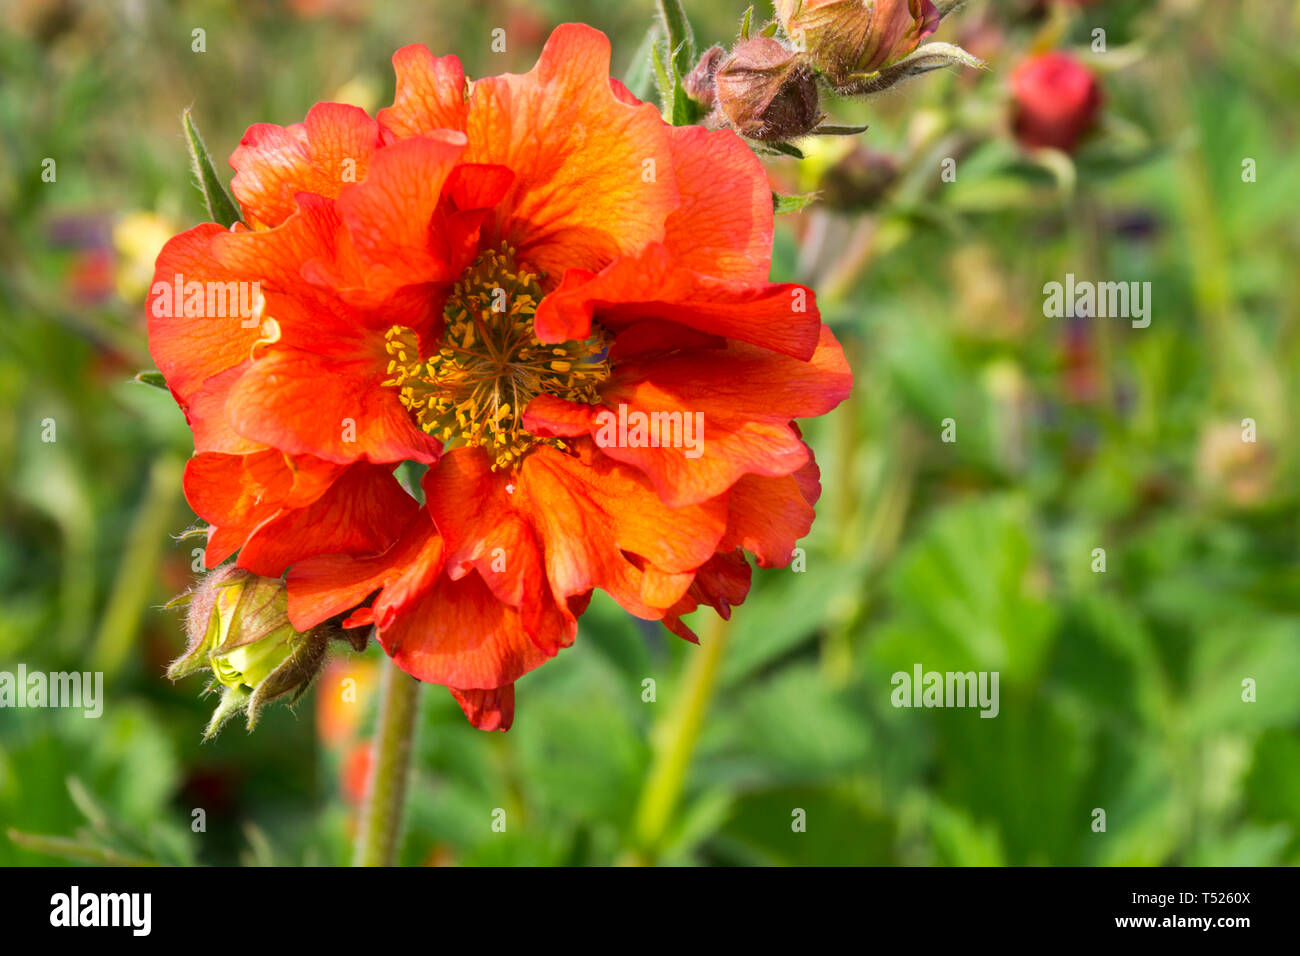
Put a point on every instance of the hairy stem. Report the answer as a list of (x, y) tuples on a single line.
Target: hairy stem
[(681, 41), (378, 837)]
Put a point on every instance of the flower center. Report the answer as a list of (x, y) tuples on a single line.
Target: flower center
[(490, 364)]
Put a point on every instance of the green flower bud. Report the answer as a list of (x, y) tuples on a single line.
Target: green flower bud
[(847, 37), (863, 47), (239, 628)]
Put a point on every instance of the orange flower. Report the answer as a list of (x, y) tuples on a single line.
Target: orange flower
[(515, 268)]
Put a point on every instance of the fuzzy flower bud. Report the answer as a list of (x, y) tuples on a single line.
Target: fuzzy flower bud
[(700, 83), (239, 628), (849, 38), (767, 92)]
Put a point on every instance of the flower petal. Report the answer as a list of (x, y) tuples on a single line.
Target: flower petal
[(725, 224), (490, 709), (334, 408), (272, 164), (460, 635), (362, 512), (430, 93), (476, 512), (602, 526), (206, 415), (189, 350), (768, 516), (594, 176), (237, 493), (703, 420), (782, 317), (388, 216), (721, 583), (323, 587)]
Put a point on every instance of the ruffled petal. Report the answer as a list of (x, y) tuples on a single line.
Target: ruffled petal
[(361, 512), (725, 224), (191, 348), (334, 408), (782, 317), (323, 587), (768, 516), (237, 493), (388, 216), (430, 93), (272, 164), (594, 175), (456, 633), (206, 415), (476, 512), (459, 634), (602, 526), (721, 583), (694, 423)]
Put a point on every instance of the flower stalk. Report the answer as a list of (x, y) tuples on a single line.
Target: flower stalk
[(382, 812), (675, 745)]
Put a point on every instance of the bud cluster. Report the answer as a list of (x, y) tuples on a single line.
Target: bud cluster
[(769, 89)]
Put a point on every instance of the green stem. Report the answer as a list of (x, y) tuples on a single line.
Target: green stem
[(138, 570), (681, 41), (675, 744), (381, 813), (67, 848)]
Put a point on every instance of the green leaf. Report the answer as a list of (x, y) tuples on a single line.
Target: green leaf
[(151, 378), (663, 75), (686, 112), (782, 204), (967, 596), (681, 39), (745, 22), (840, 130), (640, 76), (931, 56), (221, 208), (75, 849), (784, 149)]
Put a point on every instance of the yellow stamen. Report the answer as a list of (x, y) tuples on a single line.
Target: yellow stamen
[(490, 364)]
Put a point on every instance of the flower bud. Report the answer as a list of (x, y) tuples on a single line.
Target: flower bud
[(850, 38), (860, 180), (768, 92), (1056, 101), (239, 628), (701, 82)]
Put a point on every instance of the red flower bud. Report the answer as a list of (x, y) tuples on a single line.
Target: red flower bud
[(768, 92), (1056, 101), (854, 37)]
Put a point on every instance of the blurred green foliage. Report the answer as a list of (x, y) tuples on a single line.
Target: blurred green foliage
[(1120, 690)]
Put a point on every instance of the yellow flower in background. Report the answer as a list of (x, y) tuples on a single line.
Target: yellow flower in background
[(138, 237)]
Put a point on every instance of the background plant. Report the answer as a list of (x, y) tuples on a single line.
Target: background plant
[(1119, 690)]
